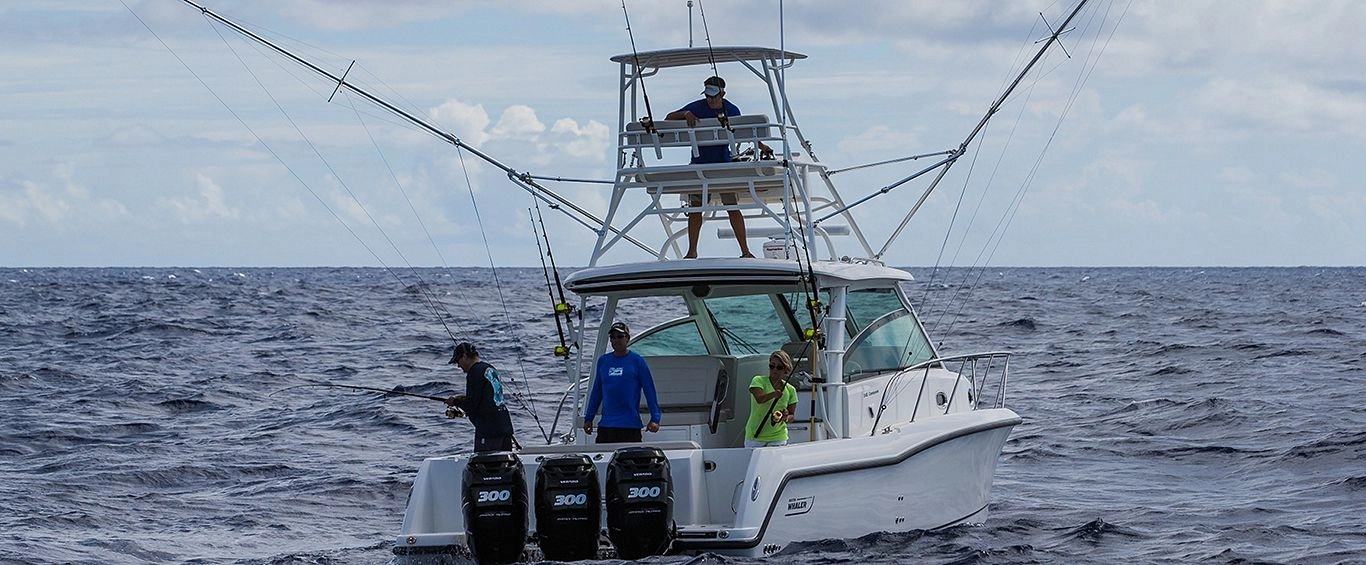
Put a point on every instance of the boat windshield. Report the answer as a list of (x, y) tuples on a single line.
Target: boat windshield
[(751, 324), (888, 335)]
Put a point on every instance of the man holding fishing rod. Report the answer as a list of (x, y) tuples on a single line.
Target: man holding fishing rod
[(482, 401)]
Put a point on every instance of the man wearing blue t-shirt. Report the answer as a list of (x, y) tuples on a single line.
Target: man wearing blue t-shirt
[(620, 378), (712, 105)]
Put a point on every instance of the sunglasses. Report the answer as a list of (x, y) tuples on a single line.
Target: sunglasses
[(616, 335), (776, 367)]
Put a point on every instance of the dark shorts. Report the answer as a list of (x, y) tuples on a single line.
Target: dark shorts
[(494, 443), (618, 435)]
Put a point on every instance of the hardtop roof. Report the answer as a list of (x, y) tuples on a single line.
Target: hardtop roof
[(687, 56), (676, 273)]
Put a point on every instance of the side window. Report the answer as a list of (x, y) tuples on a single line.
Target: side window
[(865, 306), (888, 335)]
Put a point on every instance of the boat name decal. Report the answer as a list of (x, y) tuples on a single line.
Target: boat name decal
[(800, 505)]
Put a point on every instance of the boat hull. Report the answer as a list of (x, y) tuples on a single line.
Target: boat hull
[(752, 502)]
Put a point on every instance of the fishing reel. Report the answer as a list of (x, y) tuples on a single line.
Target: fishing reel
[(453, 412), (777, 416), (748, 155)]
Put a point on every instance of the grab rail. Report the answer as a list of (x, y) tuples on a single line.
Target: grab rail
[(977, 368)]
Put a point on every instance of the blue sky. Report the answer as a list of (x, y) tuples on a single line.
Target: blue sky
[(1209, 133)]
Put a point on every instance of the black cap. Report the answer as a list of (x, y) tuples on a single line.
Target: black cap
[(464, 349), (620, 327)]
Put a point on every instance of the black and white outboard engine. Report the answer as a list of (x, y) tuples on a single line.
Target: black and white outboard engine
[(495, 505), (568, 508), (640, 502)]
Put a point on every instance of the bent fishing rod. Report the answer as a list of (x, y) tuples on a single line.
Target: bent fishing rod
[(523, 180), (451, 411)]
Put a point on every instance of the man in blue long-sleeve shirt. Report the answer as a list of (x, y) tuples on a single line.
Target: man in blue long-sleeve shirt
[(620, 378)]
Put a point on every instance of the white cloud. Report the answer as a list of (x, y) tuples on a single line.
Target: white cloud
[(590, 142), (467, 121), (68, 205), (1294, 106), (518, 122), (208, 203)]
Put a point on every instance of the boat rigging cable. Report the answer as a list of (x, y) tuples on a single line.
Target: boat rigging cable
[(428, 299), (945, 164), (973, 277), (528, 403), (522, 180), (424, 291), (1092, 60), (422, 286), (648, 122)]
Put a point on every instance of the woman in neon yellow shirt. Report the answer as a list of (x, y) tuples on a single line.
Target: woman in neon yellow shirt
[(772, 403)]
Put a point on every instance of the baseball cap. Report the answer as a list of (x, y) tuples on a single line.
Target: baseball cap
[(464, 349), (714, 86), (620, 327)]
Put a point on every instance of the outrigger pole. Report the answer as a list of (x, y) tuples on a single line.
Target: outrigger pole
[(523, 180), (952, 155), (995, 107)]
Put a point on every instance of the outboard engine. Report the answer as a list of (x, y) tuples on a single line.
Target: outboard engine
[(568, 508), (495, 506), (640, 502)]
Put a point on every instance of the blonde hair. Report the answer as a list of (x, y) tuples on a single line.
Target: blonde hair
[(783, 359)]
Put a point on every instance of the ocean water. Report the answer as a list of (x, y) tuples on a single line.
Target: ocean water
[(1170, 415)]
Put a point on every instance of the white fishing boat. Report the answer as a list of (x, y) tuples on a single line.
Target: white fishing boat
[(891, 434)]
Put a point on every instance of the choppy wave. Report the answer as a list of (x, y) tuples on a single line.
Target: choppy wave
[(1170, 415)]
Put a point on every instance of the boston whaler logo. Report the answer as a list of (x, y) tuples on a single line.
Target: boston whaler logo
[(800, 505)]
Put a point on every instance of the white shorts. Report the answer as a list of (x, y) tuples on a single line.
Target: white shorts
[(757, 443)]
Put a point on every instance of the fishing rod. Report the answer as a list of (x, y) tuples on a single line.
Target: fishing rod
[(560, 306), (451, 411), (522, 180), (721, 118), (648, 122)]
